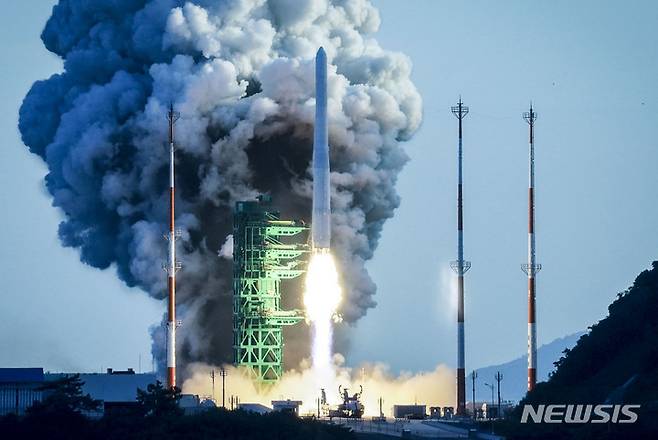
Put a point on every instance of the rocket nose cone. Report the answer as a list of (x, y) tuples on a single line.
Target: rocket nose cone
[(321, 53)]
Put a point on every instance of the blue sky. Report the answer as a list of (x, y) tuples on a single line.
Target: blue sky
[(591, 73), (56, 313)]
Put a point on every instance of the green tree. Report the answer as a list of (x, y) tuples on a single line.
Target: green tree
[(158, 401), (64, 396)]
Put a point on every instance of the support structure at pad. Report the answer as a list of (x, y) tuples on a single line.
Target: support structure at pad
[(267, 251)]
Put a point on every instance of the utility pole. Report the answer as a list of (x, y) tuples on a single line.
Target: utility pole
[(212, 376), (474, 376), (531, 267), (499, 378), (223, 374), (460, 267)]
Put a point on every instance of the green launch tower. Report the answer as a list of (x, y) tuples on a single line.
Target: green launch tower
[(266, 251)]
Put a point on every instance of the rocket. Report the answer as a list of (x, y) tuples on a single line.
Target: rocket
[(321, 214)]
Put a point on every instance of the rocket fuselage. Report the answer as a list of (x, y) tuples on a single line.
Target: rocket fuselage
[(321, 214)]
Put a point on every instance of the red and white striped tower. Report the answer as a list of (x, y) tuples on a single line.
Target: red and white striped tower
[(531, 267), (172, 265), (460, 267)]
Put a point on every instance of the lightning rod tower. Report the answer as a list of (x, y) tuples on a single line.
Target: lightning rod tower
[(531, 267), (460, 266), (172, 265)]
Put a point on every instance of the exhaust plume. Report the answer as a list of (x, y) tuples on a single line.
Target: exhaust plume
[(431, 388), (240, 73)]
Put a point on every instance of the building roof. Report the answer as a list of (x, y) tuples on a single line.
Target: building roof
[(21, 375), (189, 401), (255, 408), (284, 405), (112, 387)]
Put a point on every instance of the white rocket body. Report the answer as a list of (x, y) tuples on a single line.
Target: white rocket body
[(321, 214)]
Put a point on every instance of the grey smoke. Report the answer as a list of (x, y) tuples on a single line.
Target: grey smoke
[(241, 74)]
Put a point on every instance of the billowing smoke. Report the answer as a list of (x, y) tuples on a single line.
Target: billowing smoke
[(431, 388), (240, 72)]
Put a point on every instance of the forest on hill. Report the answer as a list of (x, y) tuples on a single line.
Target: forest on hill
[(615, 362)]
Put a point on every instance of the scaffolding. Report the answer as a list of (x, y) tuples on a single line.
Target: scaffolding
[(263, 257)]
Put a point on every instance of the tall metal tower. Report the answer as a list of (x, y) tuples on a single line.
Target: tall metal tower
[(262, 259), (172, 265), (460, 267), (531, 267)]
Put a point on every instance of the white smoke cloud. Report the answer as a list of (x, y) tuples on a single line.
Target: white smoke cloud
[(226, 251), (240, 72), (431, 388)]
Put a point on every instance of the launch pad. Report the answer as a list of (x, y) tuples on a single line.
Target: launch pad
[(261, 261)]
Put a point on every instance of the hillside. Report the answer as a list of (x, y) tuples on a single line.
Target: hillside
[(615, 362), (514, 384), (618, 349)]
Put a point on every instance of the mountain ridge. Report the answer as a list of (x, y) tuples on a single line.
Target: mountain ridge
[(514, 384)]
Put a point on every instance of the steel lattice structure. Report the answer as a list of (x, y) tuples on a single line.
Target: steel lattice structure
[(262, 258)]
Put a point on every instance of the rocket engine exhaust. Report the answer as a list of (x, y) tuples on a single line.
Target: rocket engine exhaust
[(322, 293)]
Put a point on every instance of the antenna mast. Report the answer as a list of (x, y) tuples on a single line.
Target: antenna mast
[(460, 267), (172, 265), (531, 267)]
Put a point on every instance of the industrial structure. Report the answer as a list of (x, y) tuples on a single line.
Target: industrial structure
[(263, 257), (351, 406), (531, 267), (20, 388), (460, 266), (172, 265), (410, 412)]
